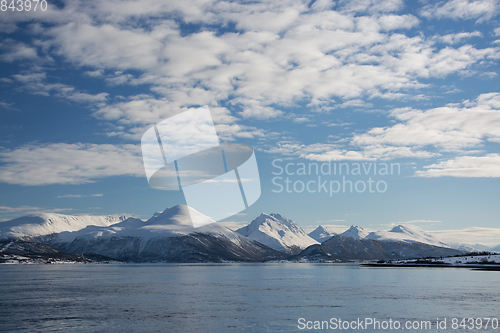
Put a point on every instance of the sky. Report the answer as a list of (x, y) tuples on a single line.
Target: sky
[(411, 85)]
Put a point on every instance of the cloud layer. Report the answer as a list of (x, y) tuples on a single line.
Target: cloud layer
[(61, 163), (252, 62)]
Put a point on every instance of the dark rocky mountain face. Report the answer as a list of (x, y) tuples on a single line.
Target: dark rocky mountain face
[(23, 251), (349, 248), (195, 247)]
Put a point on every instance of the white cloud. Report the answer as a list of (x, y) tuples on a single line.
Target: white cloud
[(61, 163), (458, 37), (107, 45), (464, 166), (7, 27), (16, 51), (449, 128), (79, 195), (335, 152), (136, 114), (416, 222), (280, 55), (471, 235), (392, 22), (463, 9), (301, 120), (355, 103), (260, 112), (416, 134), (97, 73), (262, 17), (233, 225), (8, 106), (139, 109), (417, 57), (282, 52), (368, 153), (35, 83), (7, 209), (7, 212), (371, 6)]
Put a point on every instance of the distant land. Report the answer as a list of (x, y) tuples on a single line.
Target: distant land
[(169, 236), (483, 261)]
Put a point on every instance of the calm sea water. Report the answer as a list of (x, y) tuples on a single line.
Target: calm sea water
[(234, 297)]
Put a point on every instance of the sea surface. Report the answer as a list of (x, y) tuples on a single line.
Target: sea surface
[(237, 297)]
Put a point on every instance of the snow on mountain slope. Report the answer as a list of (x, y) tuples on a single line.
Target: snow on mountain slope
[(168, 236), (174, 221), (463, 247), (180, 215), (321, 234), (495, 249), (50, 223), (355, 232), (350, 248), (406, 233), (278, 233)]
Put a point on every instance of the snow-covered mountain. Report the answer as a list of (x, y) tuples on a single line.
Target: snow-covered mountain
[(341, 248), (174, 221), (495, 249), (278, 233), (406, 233), (170, 236), (464, 247), (45, 224), (167, 236), (321, 234), (355, 232)]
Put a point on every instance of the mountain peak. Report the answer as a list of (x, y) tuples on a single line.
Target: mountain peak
[(406, 229), (412, 230), (407, 233), (321, 234), (181, 215), (277, 232), (355, 232), (274, 218), (321, 228)]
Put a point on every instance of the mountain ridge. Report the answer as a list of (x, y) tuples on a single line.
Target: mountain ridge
[(355, 232)]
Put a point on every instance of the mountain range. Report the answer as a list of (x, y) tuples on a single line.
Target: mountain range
[(343, 248), (169, 236), (402, 233)]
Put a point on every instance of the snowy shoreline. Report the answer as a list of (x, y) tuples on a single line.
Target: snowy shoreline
[(489, 261)]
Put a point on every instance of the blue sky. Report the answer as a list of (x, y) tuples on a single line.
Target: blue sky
[(414, 83)]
